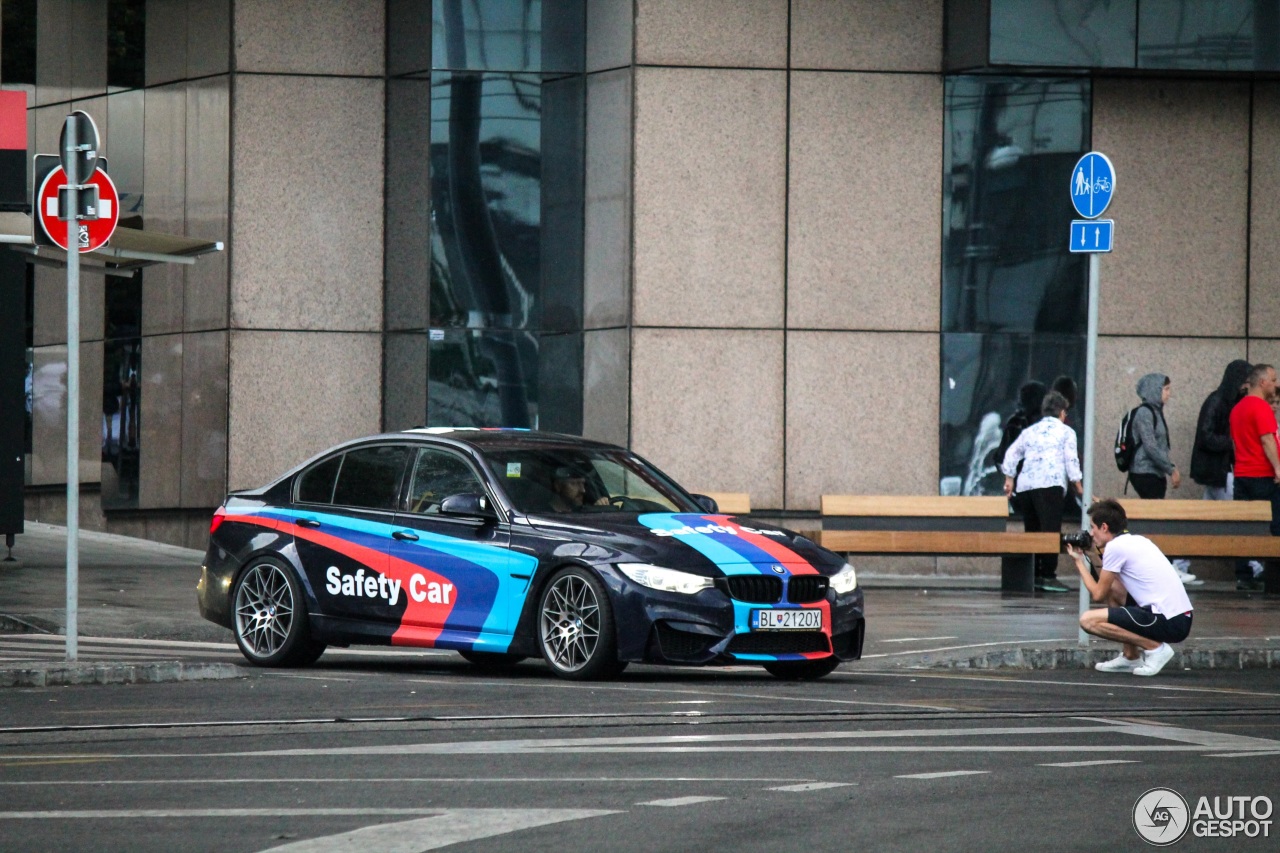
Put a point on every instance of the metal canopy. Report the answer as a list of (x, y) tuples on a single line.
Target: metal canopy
[(130, 249)]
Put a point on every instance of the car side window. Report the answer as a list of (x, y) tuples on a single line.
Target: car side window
[(315, 486), (436, 475), (370, 477)]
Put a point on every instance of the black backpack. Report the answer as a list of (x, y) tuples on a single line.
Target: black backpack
[(1126, 442)]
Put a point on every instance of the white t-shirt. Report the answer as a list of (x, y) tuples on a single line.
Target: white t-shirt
[(1147, 574)]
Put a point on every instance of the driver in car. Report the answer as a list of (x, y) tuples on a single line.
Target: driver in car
[(570, 488)]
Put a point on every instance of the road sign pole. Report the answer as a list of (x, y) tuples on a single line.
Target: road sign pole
[(1090, 403), (73, 386)]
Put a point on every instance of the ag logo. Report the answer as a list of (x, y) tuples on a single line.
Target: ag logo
[(1161, 817)]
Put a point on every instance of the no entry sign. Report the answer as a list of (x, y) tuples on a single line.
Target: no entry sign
[(94, 233)]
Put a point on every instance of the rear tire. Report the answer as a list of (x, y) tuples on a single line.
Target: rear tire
[(575, 627), (802, 670), (269, 615)]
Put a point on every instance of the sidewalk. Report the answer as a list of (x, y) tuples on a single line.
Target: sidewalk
[(132, 588)]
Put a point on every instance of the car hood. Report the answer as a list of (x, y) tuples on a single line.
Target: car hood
[(708, 545)]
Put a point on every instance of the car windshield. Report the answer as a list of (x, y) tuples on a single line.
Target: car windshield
[(554, 480)]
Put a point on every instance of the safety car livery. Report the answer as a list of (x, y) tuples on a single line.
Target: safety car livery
[(507, 544)]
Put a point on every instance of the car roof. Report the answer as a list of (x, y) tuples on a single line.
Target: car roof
[(506, 438)]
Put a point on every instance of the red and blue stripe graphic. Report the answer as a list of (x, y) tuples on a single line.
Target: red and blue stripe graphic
[(450, 593), (737, 549)]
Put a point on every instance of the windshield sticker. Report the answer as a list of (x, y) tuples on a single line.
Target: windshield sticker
[(513, 469)]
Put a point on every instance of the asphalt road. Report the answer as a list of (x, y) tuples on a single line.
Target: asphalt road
[(392, 752)]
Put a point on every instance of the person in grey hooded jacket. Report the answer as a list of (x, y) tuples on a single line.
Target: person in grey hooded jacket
[(1151, 462)]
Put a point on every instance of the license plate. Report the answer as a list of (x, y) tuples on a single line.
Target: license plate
[(786, 620)]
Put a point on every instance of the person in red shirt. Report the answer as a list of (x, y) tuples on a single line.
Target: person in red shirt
[(1257, 465)]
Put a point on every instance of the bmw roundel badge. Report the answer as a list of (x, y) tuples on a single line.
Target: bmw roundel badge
[(779, 570)]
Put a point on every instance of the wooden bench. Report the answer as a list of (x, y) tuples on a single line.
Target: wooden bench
[(1189, 528), (944, 526), (933, 525), (731, 503)]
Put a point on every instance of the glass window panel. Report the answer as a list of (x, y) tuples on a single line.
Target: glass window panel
[(482, 379), (122, 392), (1009, 147), (126, 43), (370, 477), (18, 42), (437, 475), (1076, 33), (121, 411), (502, 35), (316, 485), (981, 375), (1207, 34)]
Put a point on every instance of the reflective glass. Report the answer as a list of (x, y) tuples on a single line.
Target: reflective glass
[(1224, 35), (1077, 33), (122, 392), (315, 486), (508, 35), (482, 378), (126, 43), (565, 480), (506, 160), (1008, 149), (437, 475), (981, 375), (370, 477)]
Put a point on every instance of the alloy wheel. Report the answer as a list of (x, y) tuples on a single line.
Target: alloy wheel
[(570, 623), (264, 610)]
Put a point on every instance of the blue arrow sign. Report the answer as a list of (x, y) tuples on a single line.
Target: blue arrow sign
[(1092, 235), (1093, 182)]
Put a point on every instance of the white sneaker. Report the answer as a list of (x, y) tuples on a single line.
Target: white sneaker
[(1189, 579), (1119, 663), (1257, 568), (1154, 660)]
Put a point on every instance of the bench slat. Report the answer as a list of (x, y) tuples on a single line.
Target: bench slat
[(1139, 509), (937, 542), (1179, 545), (915, 505)]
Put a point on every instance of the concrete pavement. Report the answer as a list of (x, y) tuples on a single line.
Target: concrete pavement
[(145, 591)]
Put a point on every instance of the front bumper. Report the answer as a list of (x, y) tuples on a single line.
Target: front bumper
[(711, 627)]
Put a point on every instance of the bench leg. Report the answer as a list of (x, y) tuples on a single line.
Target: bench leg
[(1017, 573)]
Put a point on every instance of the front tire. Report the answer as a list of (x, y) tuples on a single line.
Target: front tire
[(802, 670), (270, 616), (575, 627)]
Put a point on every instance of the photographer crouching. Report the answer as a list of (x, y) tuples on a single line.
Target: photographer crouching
[(1148, 606)]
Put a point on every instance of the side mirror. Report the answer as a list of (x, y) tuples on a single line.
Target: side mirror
[(707, 503), (467, 504)]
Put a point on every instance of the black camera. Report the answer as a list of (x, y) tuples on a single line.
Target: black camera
[(1079, 538)]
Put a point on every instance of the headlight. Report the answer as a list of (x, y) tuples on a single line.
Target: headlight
[(845, 580), (667, 580)]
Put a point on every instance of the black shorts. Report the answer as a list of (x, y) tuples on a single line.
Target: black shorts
[(1143, 622)]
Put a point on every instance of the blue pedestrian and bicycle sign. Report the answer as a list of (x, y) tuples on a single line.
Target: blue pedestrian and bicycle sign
[(1092, 235), (1093, 182)]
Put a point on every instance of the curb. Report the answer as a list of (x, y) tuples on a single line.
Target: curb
[(59, 674), (1078, 658)]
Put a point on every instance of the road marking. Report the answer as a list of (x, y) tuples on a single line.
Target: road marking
[(917, 639), (812, 786), (1242, 754), (630, 688), (398, 780), (103, 814), (942, 775), (680, 801), (1089, 763), (448, 827)]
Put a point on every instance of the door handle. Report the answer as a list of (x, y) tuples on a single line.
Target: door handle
[(404, 536), (306, 522)]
